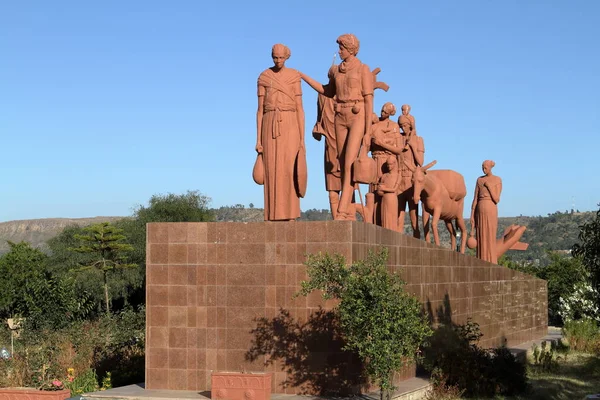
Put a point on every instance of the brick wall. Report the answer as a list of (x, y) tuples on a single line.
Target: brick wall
[(207, 283)]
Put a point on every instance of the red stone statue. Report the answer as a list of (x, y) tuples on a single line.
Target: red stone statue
[(280, 138), (385, 134), (325, 127), (412, 153), (352, 84), (510, 240), (442, 193), (484, 212), (387, 190)]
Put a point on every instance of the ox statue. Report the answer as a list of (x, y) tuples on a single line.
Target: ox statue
[(442, 193)]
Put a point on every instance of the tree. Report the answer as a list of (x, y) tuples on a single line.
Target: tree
[(65, 264), (21, 267), (589, 249), (380, 321), (126, 286), (189, 207), (28, 290), (563, 274), (105, 242)]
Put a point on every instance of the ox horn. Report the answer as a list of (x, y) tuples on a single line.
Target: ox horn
[(410, 167), (431, 164)]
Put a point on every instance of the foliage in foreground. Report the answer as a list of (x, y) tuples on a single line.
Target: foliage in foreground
[(380, 321), (583, 335), (571, 377), (83, 357)]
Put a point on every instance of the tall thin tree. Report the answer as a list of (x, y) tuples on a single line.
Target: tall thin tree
[(105, 241)]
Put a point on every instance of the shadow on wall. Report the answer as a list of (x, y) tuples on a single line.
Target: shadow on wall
[(454, 358), (311, 353)]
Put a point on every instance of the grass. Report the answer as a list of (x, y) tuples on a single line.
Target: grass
[(573, 379)]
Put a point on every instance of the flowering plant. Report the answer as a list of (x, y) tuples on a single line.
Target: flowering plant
[(580, 304), (54, 385)]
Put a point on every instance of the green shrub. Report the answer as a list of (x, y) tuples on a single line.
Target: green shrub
[(85, 382), (380, 321), (583, 335), (110, 350), (546, 359)]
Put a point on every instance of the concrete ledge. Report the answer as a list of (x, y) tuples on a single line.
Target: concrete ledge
[(410, 389)]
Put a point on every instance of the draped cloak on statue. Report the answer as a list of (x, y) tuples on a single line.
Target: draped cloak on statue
[(284, 163)]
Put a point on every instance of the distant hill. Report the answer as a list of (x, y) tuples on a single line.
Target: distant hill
[(556, 231), (38, 231)]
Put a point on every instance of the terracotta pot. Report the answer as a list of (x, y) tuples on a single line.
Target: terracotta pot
[(33, 394), (241, 386)]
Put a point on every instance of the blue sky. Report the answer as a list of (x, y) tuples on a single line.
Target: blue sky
[(103, 104)]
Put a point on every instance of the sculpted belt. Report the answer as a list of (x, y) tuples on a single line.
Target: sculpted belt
[(277, 118), (346, 104)]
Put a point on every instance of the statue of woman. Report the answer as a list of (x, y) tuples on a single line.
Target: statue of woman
[(484, 212), (280, 137)]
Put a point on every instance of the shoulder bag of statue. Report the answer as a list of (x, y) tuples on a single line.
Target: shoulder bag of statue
[(364, 169)]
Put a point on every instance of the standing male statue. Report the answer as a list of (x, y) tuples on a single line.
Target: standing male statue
[(352, 84), (280, 138)]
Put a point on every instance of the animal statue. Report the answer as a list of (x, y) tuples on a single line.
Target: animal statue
[(442, 194)]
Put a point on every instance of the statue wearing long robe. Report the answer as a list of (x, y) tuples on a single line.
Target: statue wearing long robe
[(281, 139)]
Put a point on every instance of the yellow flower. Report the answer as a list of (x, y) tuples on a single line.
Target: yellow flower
[(70, 371)]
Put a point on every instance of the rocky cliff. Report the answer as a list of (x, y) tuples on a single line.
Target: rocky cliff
[(38, 231)]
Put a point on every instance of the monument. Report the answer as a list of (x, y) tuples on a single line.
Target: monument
[(209, 283)]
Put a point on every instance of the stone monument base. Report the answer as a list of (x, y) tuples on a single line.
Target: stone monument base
[(219, 298)]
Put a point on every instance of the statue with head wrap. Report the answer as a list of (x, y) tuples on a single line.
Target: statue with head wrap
[(384, 133), (484, 213), (280, 137), (407, 122)]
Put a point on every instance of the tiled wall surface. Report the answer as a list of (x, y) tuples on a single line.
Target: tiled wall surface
[(208, 282)]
